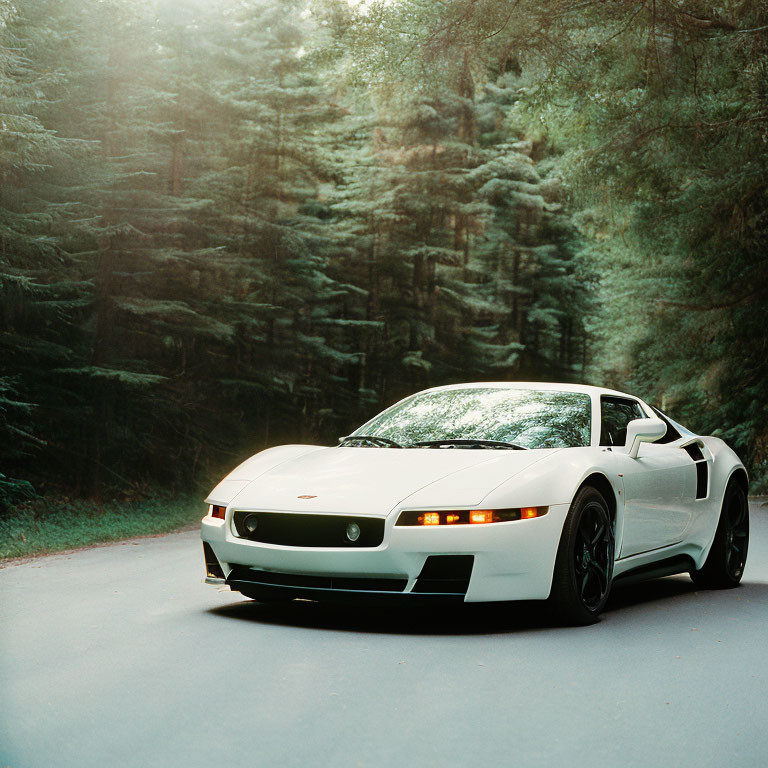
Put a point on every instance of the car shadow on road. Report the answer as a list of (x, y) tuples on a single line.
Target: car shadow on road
[(679, 590), (478, 618), (459, 619), (646, 592)]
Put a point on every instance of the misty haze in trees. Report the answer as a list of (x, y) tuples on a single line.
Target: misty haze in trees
[(226, 225)]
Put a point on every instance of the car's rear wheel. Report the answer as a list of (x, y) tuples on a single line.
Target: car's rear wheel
[(725, 563), (584, 564)]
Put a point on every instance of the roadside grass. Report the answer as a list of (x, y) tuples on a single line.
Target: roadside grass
[(43, 526)]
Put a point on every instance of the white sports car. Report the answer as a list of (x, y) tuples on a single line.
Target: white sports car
[(485, 492)]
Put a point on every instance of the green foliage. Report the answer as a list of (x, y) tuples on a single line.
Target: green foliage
[(225, 226), (663, 115), (46, 525), (13, 492), (656, 117)]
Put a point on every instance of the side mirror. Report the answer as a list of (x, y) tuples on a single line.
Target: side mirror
[(643, 431)]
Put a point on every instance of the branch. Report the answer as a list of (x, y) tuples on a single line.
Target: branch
[(695, 21), (503, 26), (748, 31)]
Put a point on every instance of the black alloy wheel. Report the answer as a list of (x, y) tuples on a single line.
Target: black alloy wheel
[(725, 563), (584, 564), (592, 553)]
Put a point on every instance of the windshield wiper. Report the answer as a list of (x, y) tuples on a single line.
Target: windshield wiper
[(381, 442), (470, 443)]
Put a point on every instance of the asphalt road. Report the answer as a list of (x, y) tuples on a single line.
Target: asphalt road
[(120, 656)]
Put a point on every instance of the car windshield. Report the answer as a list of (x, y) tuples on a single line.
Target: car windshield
[(524, 417)]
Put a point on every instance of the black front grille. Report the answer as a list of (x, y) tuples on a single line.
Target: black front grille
[(242, 575), (301, 530)]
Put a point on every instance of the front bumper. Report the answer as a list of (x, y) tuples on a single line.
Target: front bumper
[(511, 561)]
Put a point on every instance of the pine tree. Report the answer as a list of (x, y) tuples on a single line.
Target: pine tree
[(222, 230), (42, 290)]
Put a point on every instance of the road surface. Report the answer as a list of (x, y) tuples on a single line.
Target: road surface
[(120, 656)]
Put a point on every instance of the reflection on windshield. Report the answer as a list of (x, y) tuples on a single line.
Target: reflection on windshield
[(526, 417)]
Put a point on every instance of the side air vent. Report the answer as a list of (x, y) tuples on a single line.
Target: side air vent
[(694, 451), (702, 478), (702, 470)]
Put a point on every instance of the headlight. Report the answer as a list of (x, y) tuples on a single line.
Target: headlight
[(468, 516)]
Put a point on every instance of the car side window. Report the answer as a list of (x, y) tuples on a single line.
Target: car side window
[(615, 414)]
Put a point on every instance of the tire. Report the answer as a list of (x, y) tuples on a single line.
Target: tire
[(584, 564), (725, 562)]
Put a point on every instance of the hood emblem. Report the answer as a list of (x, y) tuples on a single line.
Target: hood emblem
[(307, 496)]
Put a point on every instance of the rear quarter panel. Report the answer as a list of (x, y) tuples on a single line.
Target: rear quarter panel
[(725, 463)]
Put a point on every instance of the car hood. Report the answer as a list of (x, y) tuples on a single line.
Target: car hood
[(373, 481)]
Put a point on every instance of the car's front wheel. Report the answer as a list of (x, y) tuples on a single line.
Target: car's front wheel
[(725, 563), (584, 564)]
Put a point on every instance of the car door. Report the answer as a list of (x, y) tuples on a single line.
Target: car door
[(658, 484)]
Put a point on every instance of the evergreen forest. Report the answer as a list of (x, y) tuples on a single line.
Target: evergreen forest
[(230, 224)]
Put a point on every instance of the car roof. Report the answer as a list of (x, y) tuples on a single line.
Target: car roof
[(586, 389)]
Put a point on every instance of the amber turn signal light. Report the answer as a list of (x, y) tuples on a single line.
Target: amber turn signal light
[(481, 516), (217, 511), (415, 517)]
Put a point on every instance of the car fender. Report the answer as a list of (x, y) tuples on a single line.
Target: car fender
[(554, 482), (557, 479)]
